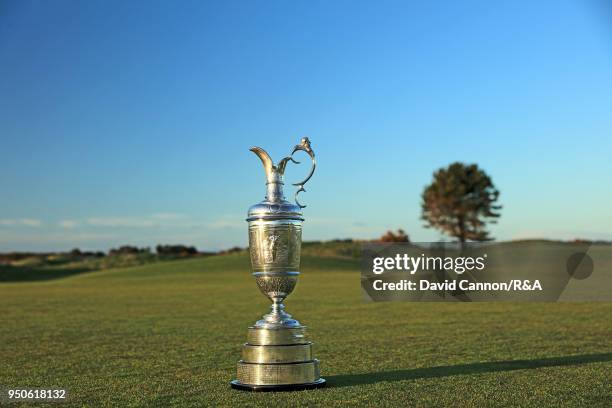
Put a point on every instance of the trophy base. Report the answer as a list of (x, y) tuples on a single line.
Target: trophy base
[(277, 359), (237, 385)]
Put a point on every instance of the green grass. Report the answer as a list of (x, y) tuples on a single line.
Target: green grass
[(44, 267), (170, 333)]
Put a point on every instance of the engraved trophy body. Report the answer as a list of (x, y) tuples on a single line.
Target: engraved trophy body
[(277, 355)]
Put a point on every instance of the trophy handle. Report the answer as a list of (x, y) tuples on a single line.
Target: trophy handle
[(305, 147)]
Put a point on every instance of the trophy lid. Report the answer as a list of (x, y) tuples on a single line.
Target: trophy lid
[(275, 206), (268, 210)]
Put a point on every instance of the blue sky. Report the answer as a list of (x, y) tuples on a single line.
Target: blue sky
[(130, 122)]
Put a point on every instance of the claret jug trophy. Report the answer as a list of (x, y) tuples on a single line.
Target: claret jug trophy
[(277, 354)]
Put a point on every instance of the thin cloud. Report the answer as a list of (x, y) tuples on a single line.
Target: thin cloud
[(69, 224), (55, 238), (157, 220), (24, 222), (168, 216), (118, 222)]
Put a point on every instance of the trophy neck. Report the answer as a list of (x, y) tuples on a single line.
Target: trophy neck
[(274, 188)]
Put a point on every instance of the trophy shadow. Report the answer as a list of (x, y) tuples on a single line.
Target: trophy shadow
[(348, 380)]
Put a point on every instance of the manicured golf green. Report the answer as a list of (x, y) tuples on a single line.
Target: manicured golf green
[(170, 333)]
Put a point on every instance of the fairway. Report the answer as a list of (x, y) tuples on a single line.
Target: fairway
[(170, 333)]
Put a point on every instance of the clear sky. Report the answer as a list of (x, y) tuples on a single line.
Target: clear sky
[(130, 122)]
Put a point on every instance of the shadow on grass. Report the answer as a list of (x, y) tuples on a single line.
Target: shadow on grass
[(348, 380), (9, 273)]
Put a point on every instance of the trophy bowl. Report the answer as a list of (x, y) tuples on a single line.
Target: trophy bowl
[(276, 286)]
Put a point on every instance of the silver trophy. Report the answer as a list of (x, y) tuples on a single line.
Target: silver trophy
[(277, 355)]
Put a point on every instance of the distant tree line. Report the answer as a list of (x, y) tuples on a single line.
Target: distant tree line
[(176, 250), (399, 236), (129, 250), (160, 250), (76, 252)]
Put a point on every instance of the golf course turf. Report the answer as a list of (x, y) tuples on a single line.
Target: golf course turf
[(170, 333)]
